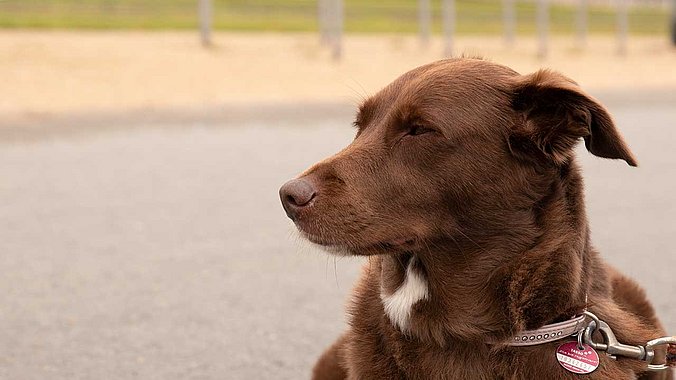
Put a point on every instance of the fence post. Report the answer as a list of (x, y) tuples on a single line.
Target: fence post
[(205, 11), (543, 27), (448, 16), (582, 22), (673, 22), (323, 21), (337, 29), (622, 26), (425, 21), (509, 21)]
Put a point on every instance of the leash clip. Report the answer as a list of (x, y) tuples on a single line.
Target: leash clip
[(670, 341), (614, 348), (610, 343)]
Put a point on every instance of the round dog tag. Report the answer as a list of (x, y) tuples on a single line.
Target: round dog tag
[(575, 360)]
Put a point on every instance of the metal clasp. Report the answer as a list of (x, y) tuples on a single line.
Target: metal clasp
[(614, 348), (659, 342), (611, 345)]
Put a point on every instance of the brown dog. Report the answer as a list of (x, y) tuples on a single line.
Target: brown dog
[(462, 186)]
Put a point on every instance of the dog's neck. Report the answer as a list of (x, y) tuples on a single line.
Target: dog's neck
[(452, 296), (474, 292), (403, 284)]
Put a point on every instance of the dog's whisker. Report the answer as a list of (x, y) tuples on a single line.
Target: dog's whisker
[(335, 271), (470, 239), (326, 268)]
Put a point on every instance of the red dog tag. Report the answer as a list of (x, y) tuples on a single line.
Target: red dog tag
[(575, 360)]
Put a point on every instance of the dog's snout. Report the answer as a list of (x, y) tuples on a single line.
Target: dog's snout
[(295, 195)]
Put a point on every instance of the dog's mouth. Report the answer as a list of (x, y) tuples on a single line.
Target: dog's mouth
[(355, 248), (347, 242)]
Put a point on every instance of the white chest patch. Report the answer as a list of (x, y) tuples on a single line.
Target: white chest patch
[(398, 304)]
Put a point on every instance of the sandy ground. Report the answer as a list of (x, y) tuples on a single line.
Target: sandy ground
[(45, 73)]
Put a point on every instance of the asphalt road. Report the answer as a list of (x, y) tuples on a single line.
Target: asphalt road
[(152, 251)]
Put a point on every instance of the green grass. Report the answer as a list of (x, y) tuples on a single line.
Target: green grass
[(362, 16)]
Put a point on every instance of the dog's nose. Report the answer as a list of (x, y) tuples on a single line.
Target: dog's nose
[(295, 195)]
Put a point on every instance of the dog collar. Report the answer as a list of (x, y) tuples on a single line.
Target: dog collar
[(548, 333), (585, 330)]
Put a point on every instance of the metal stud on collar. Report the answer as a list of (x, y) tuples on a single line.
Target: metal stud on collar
[(548, 333)]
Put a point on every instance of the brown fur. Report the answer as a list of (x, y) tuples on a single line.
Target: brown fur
[(468, 167)]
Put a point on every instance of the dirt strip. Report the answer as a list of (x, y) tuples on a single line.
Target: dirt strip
[(53, 73)]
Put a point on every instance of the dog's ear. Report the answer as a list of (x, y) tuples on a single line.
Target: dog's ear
[(553, 113)]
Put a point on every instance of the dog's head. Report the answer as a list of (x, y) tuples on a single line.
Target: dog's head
[(459, 146)]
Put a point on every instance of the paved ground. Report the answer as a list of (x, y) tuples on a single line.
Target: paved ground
[(156, 252)]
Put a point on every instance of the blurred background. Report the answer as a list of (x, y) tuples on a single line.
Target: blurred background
[(143, 142)]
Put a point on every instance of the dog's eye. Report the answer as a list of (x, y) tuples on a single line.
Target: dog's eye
[(417, 130)]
